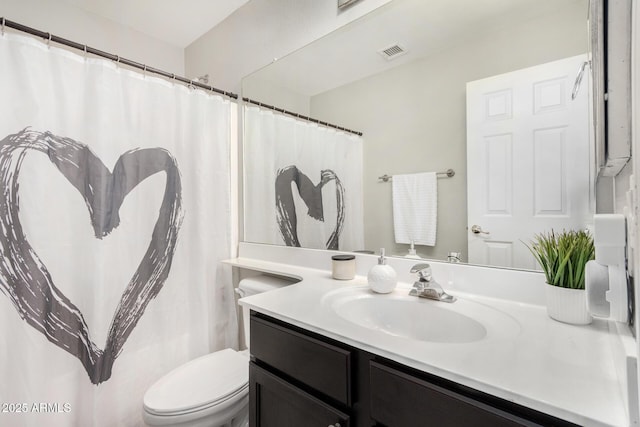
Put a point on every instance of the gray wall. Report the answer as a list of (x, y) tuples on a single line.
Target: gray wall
[(413, 117)]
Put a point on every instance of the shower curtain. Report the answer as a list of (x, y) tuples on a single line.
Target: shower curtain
[(114, 214), (303, 183)]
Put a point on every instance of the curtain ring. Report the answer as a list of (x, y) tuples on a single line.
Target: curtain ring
[(2, 30), (49, 41), (85, 51), (144, 71)]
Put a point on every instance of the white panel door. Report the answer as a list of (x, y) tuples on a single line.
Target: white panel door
[(528, 160)]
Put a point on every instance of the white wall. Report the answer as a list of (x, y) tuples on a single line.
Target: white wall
[(621, 186), (414, 117), (262, 30), (70, 22)]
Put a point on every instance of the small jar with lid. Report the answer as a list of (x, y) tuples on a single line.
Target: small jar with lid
[(343, 267)]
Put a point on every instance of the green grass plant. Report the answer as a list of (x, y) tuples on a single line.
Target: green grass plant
[(563, 256)]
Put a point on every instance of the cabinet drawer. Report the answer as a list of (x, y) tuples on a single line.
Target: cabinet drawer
[(400, 400), (319, 365), (276, 403)]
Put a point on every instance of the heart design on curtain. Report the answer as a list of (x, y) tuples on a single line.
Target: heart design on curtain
[(26, 280), (312, 196)]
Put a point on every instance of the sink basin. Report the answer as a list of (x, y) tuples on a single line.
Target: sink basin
[(421, 319)]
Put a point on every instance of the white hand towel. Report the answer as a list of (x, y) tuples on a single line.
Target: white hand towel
[(415, 208)]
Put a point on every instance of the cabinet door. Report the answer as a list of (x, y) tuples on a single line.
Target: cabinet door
[(401, 400), (315, 363), (276, 403)]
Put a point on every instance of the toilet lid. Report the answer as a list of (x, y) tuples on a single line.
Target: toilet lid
[(200, 383)]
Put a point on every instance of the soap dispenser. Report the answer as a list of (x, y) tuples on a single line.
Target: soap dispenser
[(382, 278)]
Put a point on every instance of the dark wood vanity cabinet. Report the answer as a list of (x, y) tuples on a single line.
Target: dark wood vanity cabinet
[(301, 379), (396, 398), (276, 402), (297, 380)]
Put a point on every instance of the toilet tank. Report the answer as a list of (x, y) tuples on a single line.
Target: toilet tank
[(256, 285)]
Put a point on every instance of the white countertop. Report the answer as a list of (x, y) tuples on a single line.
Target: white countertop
[(563, 370)]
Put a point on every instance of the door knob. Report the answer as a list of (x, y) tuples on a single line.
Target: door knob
[(476, 229)]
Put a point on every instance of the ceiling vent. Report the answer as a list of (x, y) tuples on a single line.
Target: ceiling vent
[(392, 52)]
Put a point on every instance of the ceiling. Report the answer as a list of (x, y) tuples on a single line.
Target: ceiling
[(178, 23), (421, 27)]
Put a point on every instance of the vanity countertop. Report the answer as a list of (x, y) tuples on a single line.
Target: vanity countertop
[(563, 370)]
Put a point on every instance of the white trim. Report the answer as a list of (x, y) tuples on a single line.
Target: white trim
[(234, 200), (634, 418)]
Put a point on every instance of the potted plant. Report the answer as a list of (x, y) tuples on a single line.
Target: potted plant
[(563, 257)]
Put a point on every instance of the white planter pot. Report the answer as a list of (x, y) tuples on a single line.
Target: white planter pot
[(567, 305)]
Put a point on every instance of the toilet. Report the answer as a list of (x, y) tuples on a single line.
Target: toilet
[(212, 390)]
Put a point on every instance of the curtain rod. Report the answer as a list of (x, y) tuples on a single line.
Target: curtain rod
[(86, 49), (300, 116)]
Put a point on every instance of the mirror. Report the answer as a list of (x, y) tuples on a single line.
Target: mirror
[(414, 105)]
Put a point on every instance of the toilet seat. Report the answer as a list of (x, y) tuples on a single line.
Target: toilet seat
[(204, 385)]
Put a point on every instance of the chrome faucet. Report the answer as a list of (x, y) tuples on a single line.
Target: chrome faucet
[(454, 257), (426, 286)]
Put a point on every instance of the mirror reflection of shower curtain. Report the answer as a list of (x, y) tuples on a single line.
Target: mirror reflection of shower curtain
[(114, 213), (303, 183)]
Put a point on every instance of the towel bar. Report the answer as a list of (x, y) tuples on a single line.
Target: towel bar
[(448, 174)]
